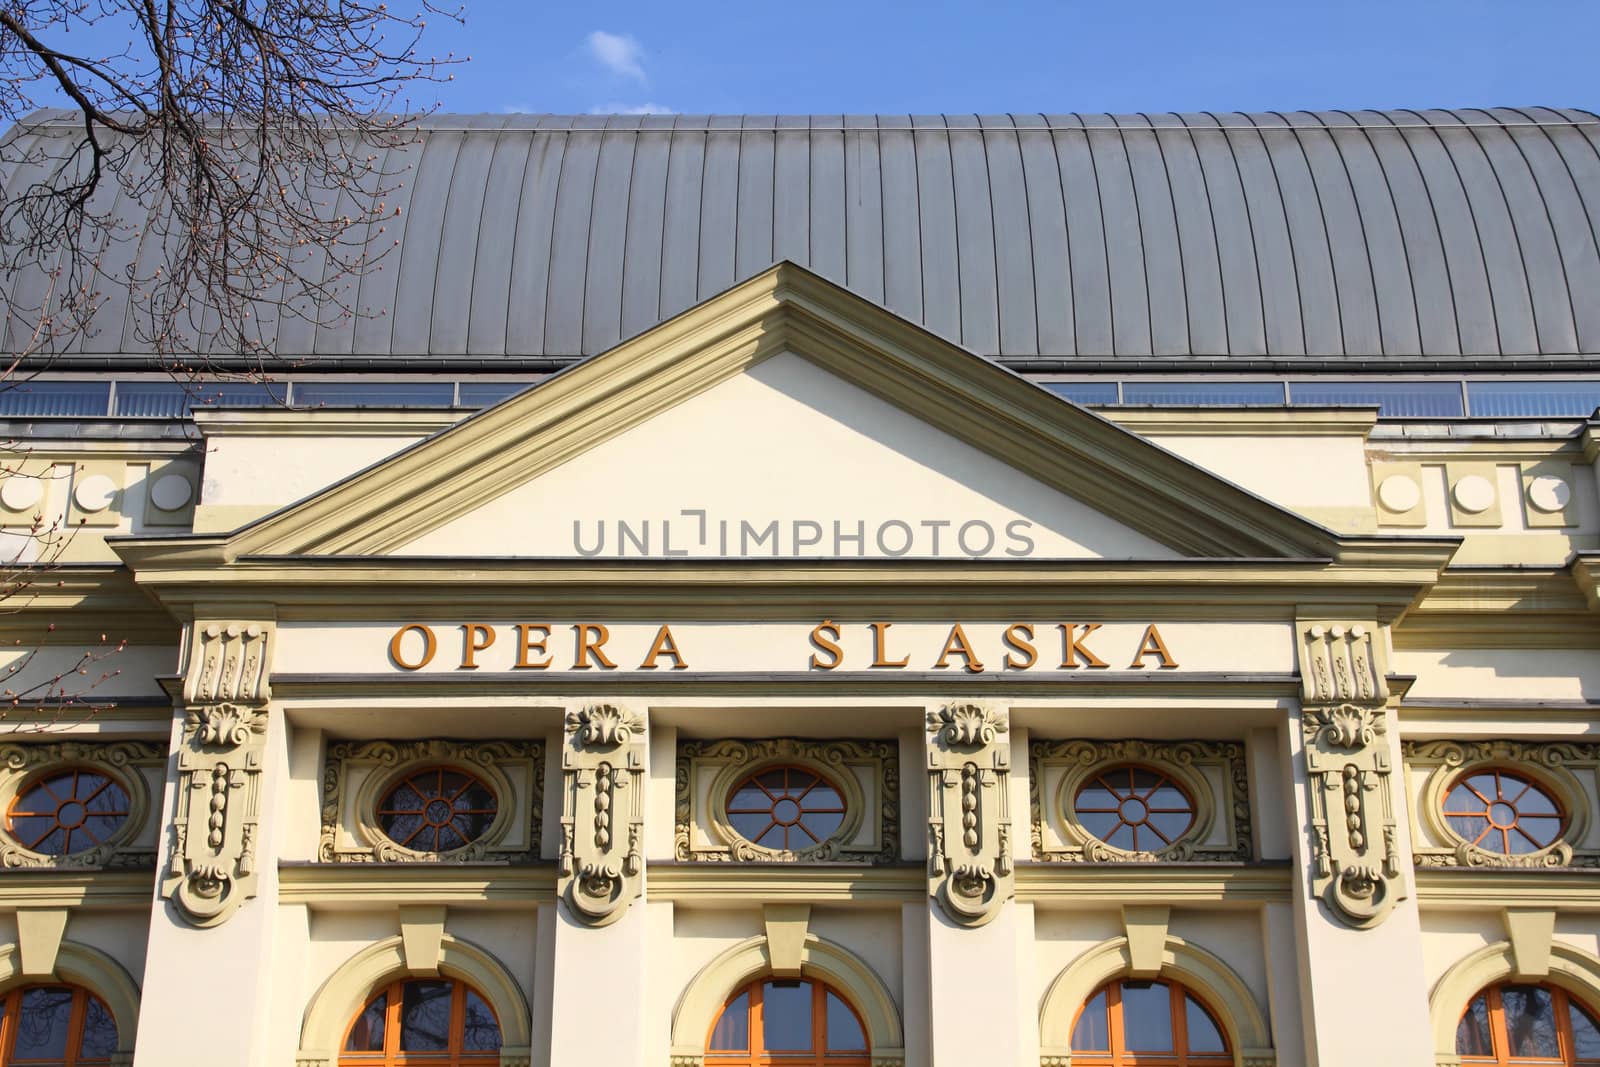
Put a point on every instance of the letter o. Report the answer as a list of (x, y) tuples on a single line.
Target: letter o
[(904, 547), (430, 645), (961, 537)]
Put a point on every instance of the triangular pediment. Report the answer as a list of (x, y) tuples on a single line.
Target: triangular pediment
[(785, 417)]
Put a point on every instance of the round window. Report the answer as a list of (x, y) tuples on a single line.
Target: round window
[(1134, 808), (439, 809), (786, 808), (67, 811), (1503, 811)]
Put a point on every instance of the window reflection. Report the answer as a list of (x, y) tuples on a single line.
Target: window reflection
[(1518, 1023), (55, 1026), (1130, 1022), (437, 1021), (795, 1022)]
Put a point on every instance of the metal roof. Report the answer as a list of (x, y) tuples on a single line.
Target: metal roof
[(1295, 240)]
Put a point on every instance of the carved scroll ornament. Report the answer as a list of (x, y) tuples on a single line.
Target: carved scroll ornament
[(969, 821), (211, 866), (1344, 724), (602, 812)]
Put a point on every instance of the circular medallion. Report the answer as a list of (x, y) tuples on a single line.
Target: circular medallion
[(1548, 493), (1399, 493), (21, 492), (1473, 494), (171, 492), (94, 493)]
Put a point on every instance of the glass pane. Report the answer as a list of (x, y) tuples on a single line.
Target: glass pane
[(1090, 1033), (480, 1033), (483, 394), (786, 1016), (1585, 1032), (1472, 1032), (1085, 392), (1096, 797), (175, 399), (1146, 1017), (844, 1030), (99, 1031), (1530, 1021), (750, 825), (366, 1033), (1204, 1035), (425, 1016), (1394, 399), (82, 399), (732, 1032), (373, 394), (1230, 394), (1534, 399), (42, 1023)]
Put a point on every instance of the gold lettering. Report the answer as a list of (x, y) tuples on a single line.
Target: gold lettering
[(430, 645), (1072, 645), (527, 645), (957, 644), (664, 645), (880, 655), (827, 645), (475, 637), (1017, 638), (1152, 645), (591, 644)]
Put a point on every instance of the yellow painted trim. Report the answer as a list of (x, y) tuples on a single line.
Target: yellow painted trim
[(1507, 607), (93, 970), (724, 885), (1246, 422), (57, 888), (1475, 889), (1198, 885), (356, 886), (285, 422), (1571, 968)]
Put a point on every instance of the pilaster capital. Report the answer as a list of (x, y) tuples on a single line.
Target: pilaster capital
[(969, 819), (601, 863)]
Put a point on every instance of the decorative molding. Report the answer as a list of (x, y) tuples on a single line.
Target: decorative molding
[(1068, 764), (1566, 889), (1569, 967), (703, 998), (601, 861), (758, 884), (211, 867), (124, 762), (351, 886), (1551, 764), (1356, 866), (969, 820), (1177, 885), (350, 829), (842, 763), (1181, 961)]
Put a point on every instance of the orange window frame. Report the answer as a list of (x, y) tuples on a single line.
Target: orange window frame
[(759, 1056), (1499, 1040), (392, 1056), (75, 1020), (1180, 1056)]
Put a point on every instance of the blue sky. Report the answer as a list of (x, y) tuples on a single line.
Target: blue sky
[(823, 56)]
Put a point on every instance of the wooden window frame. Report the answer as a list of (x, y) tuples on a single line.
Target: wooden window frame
[(1561, 1006), (798, 825), (76, 1015), (1503, 774), (393, 1056), (1120, 1056), (408, 778), (757, 1054), (38, 781), (1101, 776)]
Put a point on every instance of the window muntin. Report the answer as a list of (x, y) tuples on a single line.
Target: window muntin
[(68, 810), (55, 1026), (798, 1023), (787, 808), (437, 809), (1134, 808), (1503, 811), (1515, 1023), (437, 1021), (1157, 1023)]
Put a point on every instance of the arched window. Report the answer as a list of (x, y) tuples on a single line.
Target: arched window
[(797, 1023), (55, 1026), (1514, 1023), (1151, 1024), (434, 1021)]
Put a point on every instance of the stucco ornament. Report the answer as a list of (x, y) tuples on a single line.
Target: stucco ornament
[(969, 822), (211, 866), (1356, 856), (602, 812)]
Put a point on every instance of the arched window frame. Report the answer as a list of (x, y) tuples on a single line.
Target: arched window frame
[(393, 990), (81, 965), (347, 991), (1212, 981), (1561, 1002), (820, 992), (1569, 967), (1178, 993)]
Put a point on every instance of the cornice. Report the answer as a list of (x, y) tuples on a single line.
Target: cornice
[(1437, 719), (48, 888), (1186, 884), (1246, 422), (1504, 607), (365, 885), (285, 422), (83, 603), (720, 884), (1471, 888)]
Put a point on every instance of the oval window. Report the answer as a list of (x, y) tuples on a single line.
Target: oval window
[(1502, 811), (1134, 808), (786, 808), (67, 811), (440, 809)]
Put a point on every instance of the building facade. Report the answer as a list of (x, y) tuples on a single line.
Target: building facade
[(842, 592)]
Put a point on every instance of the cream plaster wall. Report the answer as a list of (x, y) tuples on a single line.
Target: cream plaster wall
[(247, 476), (1500, 674), (784, 441), (1323, 477), (132, 672)]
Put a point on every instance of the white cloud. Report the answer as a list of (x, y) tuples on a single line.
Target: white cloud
[(633, 109), (618, 53)]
